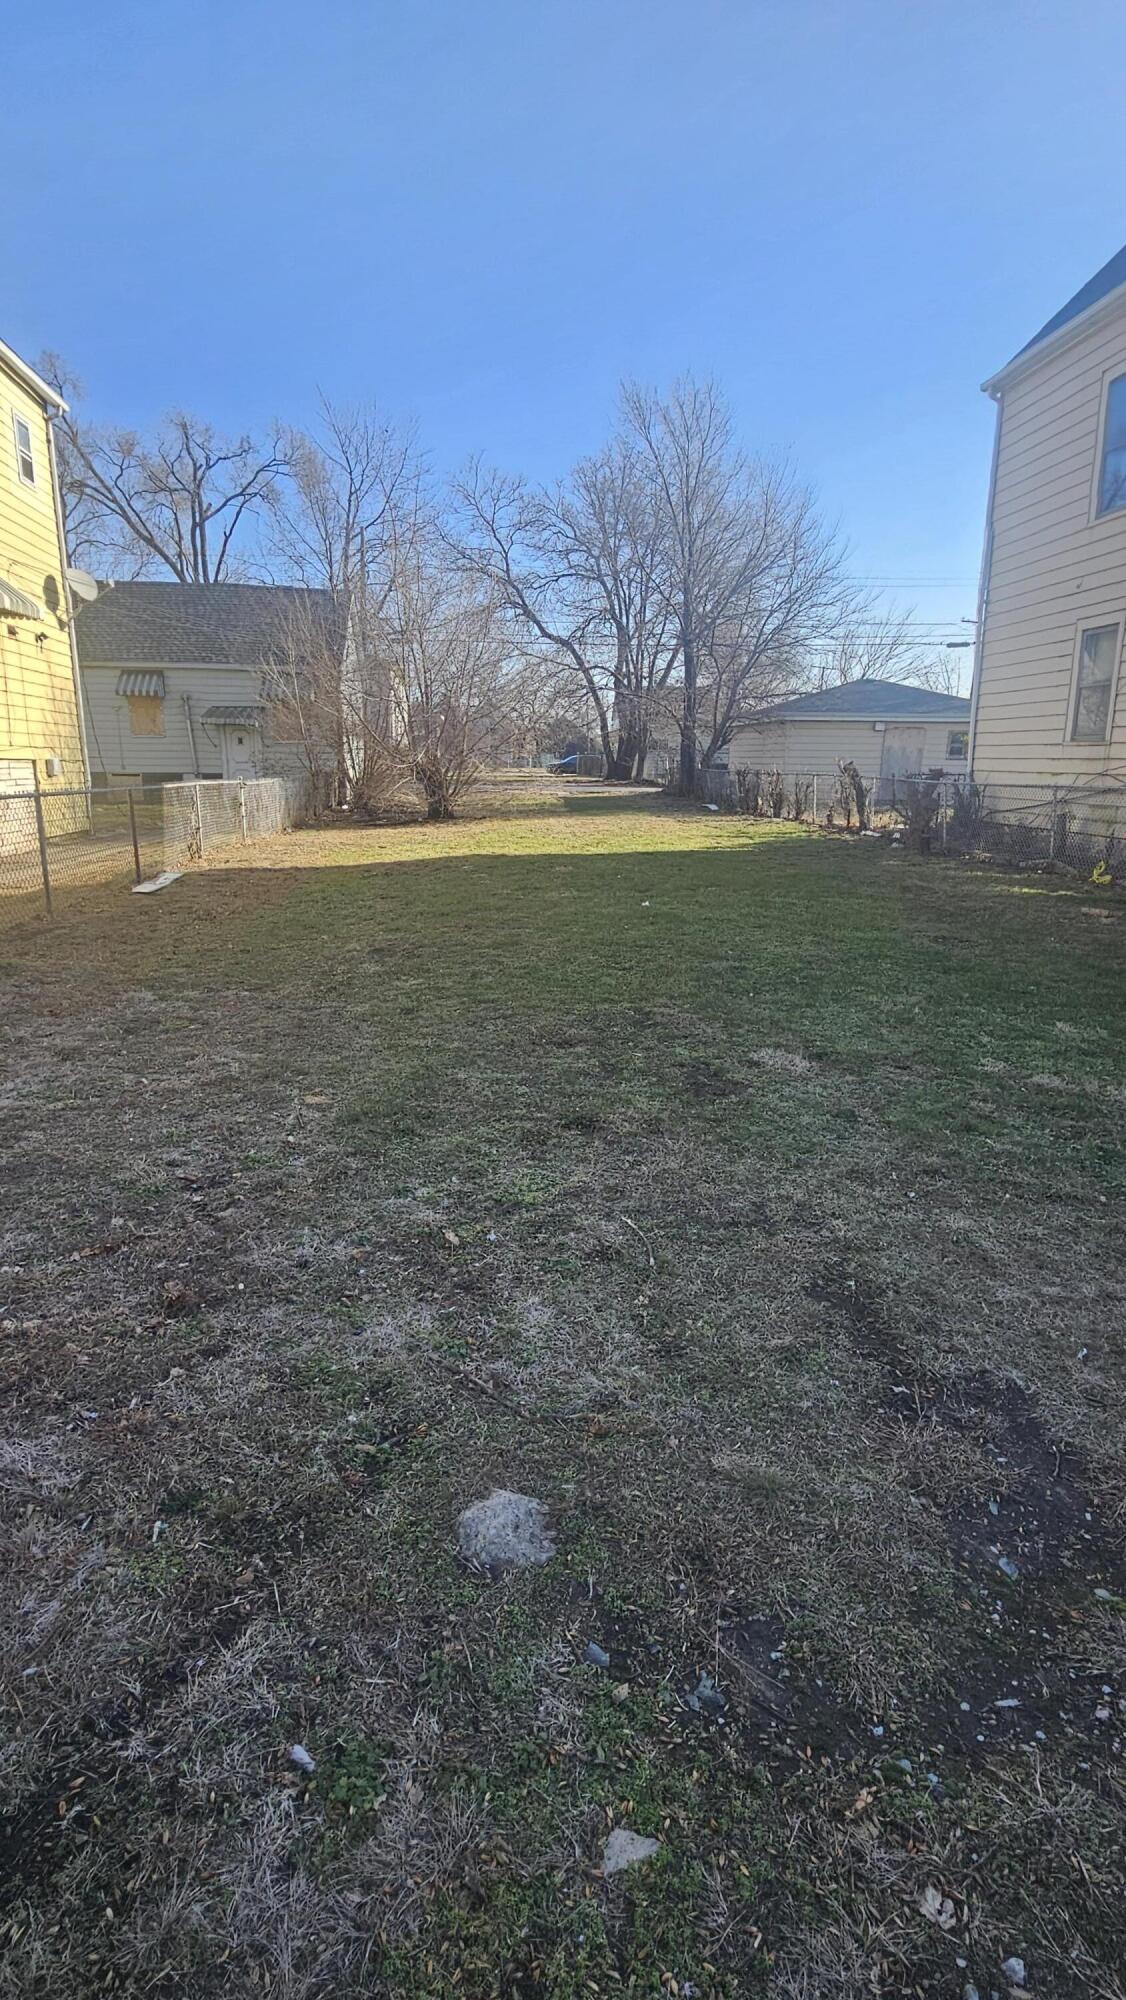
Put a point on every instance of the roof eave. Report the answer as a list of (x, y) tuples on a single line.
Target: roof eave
[(1054, 343), (15, 366), (957, 703)]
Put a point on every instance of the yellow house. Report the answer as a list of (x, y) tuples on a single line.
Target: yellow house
[(40, 729)]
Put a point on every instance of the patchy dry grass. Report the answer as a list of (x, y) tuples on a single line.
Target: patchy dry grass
[(755, 1200)]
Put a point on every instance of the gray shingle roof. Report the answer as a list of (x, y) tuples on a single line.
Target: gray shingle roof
[(1112, 274), (196, 624), (872, 701)]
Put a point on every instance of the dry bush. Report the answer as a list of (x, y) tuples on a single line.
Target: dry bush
[(916, 802), (852, 795)]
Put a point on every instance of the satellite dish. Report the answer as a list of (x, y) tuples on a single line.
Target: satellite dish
[(82, 585)]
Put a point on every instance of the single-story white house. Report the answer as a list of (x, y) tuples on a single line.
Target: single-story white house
[(176, 678), (888, 729)]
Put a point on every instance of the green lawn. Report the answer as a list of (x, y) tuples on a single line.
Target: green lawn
[(751, 1197)]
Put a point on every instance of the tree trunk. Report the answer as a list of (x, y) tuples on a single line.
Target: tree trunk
[(688, 723), (621, 764), (604, 735)]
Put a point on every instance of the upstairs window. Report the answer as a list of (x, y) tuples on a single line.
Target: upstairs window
[(25, 457), (1112, 471), (1094, 684)]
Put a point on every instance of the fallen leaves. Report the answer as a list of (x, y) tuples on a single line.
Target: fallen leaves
[(937, 1908)]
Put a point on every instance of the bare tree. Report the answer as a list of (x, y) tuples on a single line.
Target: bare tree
[(940, 671), (344, 478), (576, 568), (180, 502), (332, 529), (695, 476), (452, 675), (788, 596), (745, 568), (870, 644), (424, 684)]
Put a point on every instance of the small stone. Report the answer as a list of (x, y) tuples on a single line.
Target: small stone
[(1013, 1969), (970, 1992), (625, 1849), (300, 1756), (596, 1655), (506, 1531), (1008, 1568), (705, 1698)]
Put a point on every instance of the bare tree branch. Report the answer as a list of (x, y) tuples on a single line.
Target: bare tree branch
[(177, 504)]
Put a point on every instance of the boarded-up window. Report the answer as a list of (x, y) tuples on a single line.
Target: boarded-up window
[(146, 715)]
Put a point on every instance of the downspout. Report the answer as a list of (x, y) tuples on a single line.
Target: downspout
[(67, 598), (983, 590), (187, 701)]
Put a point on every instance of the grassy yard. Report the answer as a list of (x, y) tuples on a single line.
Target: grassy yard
[(753, 1198)]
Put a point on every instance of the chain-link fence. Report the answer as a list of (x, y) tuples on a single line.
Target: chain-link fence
[(55, 842), (1074, 826)]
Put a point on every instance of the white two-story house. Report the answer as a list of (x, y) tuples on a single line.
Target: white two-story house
[(1047, 706)]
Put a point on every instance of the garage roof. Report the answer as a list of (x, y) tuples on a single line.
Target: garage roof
[(872, 701)]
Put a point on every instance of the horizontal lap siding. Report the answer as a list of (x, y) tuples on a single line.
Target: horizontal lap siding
[(38, 715), (114, 749), (1052, 568), (814, 748)]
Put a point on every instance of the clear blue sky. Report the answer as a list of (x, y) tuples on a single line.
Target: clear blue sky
[(485, 214)]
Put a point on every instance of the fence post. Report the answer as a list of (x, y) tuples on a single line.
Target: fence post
[(242, 807), (1052, 830), (198, 820), (41, 830), (815, 798), (133, 833), (945, 811)]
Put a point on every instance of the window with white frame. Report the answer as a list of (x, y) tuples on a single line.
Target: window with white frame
[(25, 457), (1094, 684), (1112, 466), (957, 745)]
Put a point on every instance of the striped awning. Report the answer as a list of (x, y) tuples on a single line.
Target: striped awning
[(149, 682), (17, 604), (235, 714)]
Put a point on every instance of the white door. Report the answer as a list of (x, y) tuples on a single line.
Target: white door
[(240, 750), (901, 756)]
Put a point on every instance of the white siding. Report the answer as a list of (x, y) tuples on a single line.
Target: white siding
[(812, 748), (1053, 568), (115, 750)]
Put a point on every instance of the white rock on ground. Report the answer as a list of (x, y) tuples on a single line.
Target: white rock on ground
[(624, 1849), (506, 1531)]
